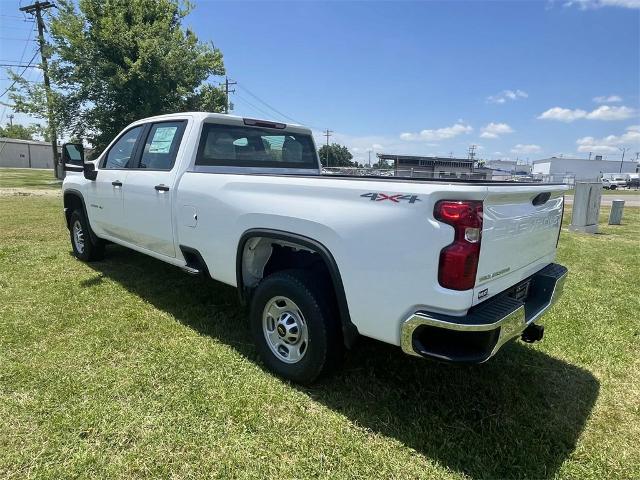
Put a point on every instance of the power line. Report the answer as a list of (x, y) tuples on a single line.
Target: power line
[(18, 65), (256, 108), (267, 105), (20, 75), (17, 17), (24, 51)]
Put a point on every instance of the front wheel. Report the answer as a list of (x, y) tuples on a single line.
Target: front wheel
[(84, 248), (295, 328)]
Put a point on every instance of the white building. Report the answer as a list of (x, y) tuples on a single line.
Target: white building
[(579, 168)]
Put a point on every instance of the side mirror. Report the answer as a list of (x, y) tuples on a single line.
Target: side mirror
[(89, 171), (73, 157), (73, 161)]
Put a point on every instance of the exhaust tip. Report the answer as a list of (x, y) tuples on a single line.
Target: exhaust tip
[(533, 333)]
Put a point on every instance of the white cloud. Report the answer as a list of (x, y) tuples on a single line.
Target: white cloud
[(494, 130), (587, 4), (377, 146), (604, 112), (439, 133), (608, 99), (562, 114), (610, 143), (530, 148), (507, 95)]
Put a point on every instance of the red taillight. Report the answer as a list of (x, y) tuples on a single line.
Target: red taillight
[(459, 260)]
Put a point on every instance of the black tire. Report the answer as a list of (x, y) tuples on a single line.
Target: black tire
[(86, 250), (325, 348), (613, 187)]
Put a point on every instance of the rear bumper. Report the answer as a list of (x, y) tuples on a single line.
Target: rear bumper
[(477, 336)]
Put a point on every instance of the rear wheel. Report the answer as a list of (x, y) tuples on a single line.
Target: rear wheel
[(295, 328), (84, 248)]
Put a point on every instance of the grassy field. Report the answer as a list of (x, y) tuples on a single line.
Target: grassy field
[(129, 368), (28, 178)]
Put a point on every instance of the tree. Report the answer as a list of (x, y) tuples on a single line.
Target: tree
[(335, 155), (20, 132), (382, 165), (116, 61)]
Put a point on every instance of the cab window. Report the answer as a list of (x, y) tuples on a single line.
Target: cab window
[(161, 145), (122, 151), (244, 146)]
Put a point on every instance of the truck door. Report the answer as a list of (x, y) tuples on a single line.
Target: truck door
[(104, 196), (148, 192)]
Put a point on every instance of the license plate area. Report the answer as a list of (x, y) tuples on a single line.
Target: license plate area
[(520, 292)]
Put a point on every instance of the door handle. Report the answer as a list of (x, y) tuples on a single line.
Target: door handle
[(116, 183), (161, 188)]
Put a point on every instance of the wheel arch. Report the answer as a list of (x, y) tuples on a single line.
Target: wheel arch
[(72, 200), (349, 330)]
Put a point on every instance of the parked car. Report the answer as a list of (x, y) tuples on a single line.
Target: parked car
[(633, 181), (614, 183), (446, 269)]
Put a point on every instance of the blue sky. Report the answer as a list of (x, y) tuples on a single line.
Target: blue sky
[(519, 79)]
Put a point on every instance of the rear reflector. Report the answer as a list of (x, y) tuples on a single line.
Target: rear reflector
[(459, 260)]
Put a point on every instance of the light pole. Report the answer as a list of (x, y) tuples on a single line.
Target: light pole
[(623, 150)]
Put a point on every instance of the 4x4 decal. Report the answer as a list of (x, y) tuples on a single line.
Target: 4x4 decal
[(397, 198)]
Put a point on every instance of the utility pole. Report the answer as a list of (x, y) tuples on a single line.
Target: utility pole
[(472, 152), (10, 117), (623, 150), (227, 92), (327, 133), (36, 9), (369, 152)]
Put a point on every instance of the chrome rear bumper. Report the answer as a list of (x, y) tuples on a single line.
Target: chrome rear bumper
[(477, 336)]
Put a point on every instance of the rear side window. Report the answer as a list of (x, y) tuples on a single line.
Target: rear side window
[(161, 146), (121, 152), (240, 146)]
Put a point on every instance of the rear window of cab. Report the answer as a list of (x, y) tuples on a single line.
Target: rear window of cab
[(247, 146)]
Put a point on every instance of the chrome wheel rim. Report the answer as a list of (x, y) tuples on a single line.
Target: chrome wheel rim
[(285, 329), (78, 236)]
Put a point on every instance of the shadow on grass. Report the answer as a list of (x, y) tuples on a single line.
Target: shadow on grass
[(519, 415)]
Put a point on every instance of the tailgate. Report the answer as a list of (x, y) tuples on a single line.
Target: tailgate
[(519, 235)]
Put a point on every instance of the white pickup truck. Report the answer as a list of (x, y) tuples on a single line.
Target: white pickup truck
[(446, 269)]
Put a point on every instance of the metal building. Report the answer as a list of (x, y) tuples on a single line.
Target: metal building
[(25, 153), (433, 167)]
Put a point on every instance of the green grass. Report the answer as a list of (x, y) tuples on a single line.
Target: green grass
[(28, 178), (129, 368)]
